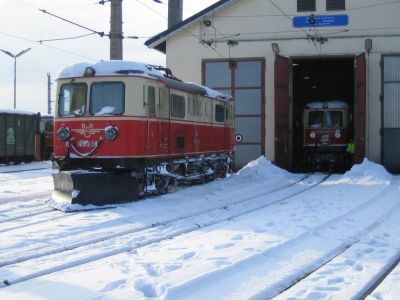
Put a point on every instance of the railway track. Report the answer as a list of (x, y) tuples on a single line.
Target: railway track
[(285, 270), (26, 170), (69, 255), (43, 209), (375, 283)]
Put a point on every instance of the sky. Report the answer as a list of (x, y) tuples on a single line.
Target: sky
[(22, 26)]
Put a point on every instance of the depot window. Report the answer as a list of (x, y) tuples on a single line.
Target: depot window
[(177, 106), (335, 5), (72, 99), (306, 5), (107, 98)]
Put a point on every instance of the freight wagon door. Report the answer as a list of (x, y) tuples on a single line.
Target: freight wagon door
[(282, 130), (359, 109), (391, 112)]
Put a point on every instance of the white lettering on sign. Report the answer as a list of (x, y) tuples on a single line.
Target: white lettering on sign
[(87, 144), (10, 136)]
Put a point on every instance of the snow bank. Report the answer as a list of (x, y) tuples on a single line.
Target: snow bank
[(59, 202), (261, 168), (367, 173)]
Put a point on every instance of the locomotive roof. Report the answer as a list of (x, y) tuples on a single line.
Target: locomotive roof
[(17, 112), (126, 68), (338, 104)]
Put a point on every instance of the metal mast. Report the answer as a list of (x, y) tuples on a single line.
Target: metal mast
[(48, 93), (116, 34)]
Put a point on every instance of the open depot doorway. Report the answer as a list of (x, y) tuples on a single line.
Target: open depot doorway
[(318, 79)]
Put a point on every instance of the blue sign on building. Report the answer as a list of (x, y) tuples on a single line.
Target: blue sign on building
[(320, 21)]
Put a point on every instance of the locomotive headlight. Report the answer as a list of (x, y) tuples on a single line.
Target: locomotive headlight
[(312, 134), (111, 133), (63, 133), (338, 134)]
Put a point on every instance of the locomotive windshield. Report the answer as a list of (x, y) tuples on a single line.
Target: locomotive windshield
[(72, 99), (316, 118), (107, 98), (325, 119), (334, 119)]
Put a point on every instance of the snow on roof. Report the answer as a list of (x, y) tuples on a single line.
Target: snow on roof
[(121, 67), (111, 68), (17, 112), (338, 104), (213, 93)]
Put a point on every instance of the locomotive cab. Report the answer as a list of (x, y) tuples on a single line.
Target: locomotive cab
[(326, 133)]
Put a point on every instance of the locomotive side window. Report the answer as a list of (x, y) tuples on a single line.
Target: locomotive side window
[(163, 103), (334, 119), (194, 106), (107, 98), (72, 99), (316, 119), (177, 106), (219, 113), (151, 100), (197, 107)]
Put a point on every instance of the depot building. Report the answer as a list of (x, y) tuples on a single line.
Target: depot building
[(275, 56)]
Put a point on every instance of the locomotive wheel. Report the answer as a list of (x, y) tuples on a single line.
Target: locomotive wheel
[(162, 184)]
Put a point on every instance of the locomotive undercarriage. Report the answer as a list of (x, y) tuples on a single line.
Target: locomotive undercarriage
[(94, 183), (325, 157)]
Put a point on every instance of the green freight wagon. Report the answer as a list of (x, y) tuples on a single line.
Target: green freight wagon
[(18, 131)]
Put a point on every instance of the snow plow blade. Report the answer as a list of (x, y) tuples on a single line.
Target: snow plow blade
[(94, 187)]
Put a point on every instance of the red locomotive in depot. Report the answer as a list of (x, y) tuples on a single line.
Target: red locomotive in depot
[(326, 133), (126, 129)]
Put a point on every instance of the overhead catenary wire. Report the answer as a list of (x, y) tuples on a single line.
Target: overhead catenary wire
[(100, 33), (67, 38), (49, 46), (187, 31)]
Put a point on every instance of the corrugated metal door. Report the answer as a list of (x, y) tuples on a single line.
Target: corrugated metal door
[(391, 113), (282, 130), (359, 109), (244, 80)]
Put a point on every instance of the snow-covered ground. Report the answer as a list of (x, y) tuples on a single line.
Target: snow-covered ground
[(259, 234)]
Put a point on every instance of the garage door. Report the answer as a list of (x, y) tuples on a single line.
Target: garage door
[(244, 80), (391, 113)]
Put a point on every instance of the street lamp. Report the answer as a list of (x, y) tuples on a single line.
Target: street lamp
[(15, 70)]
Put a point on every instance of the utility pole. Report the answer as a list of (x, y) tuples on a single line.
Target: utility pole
[(48, 94), (116, 34), (175, 12)]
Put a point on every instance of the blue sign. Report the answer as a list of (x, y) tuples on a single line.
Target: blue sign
[(320, 21)]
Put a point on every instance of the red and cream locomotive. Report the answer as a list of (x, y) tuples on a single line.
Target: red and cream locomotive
[(326, 133), (126, 129)]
